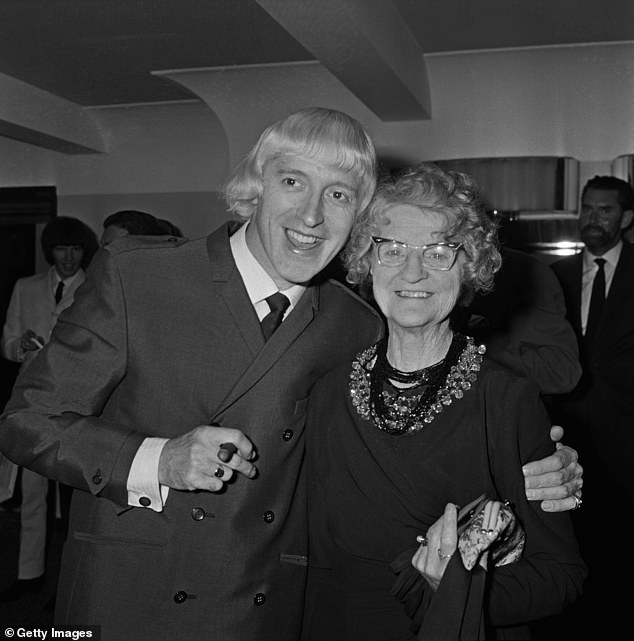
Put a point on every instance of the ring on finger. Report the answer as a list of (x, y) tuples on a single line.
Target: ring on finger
[(578, 501), (422, 540), (443, 556), (219, 473)]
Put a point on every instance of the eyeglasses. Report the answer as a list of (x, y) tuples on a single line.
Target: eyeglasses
[(393, 253)]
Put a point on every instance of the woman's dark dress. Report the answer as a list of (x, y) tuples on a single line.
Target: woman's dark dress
[(372, 493)]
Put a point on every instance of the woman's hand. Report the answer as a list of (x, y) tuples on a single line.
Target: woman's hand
[(441, 541), (437, 548)]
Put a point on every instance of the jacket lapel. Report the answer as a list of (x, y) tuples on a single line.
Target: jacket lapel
[(69, 292), (570, 273), (620, 289), (232, 289), (289, 331), (241, 311), (577, 275)]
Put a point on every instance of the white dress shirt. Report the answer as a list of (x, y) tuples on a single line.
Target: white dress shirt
[(32, 306), (258, 283), (589, 271), (143, 476), (67, 281)]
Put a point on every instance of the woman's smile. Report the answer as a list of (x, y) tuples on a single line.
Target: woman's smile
[(408, 293)]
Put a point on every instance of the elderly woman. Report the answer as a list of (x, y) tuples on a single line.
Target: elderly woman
[(417, 425)]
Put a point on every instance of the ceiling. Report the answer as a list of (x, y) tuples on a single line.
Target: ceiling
[(102, 52)]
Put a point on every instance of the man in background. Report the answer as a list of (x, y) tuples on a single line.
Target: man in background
[(36, 303), (131, 222), (599, 288)]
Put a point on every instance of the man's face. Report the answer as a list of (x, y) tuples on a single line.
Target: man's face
[(303, 217), (602, 220), (67, 259)]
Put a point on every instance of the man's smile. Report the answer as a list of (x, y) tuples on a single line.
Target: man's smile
[(409, 293), (301, 241)]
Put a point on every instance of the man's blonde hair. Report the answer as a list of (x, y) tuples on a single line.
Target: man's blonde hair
[(331, 136)]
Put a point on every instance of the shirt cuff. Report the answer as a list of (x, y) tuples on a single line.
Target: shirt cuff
[(144, 489)]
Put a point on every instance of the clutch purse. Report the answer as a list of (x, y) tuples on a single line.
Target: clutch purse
[(503, 544)]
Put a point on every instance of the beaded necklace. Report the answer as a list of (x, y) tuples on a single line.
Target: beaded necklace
[(406, 410)]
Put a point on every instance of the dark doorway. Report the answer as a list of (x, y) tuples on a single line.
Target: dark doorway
[(23, 212)]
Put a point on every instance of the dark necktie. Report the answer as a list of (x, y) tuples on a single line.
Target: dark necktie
[(59, 292), (278, 304), (597, 300)]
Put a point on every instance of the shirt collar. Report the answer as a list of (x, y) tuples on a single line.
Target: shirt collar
[(67, 281), (611, 257), (256, 280)]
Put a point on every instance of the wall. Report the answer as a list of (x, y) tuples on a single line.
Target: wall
[(169, 160), (566, 101), (172, 159)]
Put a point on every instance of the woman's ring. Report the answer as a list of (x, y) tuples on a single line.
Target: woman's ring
[(422, 540), (219, 473), (578, 501), (443, 556)]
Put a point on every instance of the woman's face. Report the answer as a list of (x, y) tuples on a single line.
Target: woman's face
[(412, 295)]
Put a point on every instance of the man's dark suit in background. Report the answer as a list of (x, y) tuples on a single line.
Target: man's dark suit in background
[(599, 413), (603, 401)]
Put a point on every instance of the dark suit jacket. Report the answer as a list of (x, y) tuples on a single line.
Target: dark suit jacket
[(601, 408), (162, 338)]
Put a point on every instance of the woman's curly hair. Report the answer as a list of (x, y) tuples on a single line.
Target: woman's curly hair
[(428, 187)]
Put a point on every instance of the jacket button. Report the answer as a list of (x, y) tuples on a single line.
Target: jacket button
[(259, 599), (269, 516), (96, 479), (198, 514), (287, 435), (180, 597)]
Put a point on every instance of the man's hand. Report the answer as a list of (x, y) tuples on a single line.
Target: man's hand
[(556, 480), (30, 341), (191, 462)]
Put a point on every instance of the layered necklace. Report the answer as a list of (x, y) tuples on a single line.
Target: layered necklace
[(401, 410)]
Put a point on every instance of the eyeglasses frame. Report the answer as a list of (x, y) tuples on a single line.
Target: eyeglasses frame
[(379, 240)]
